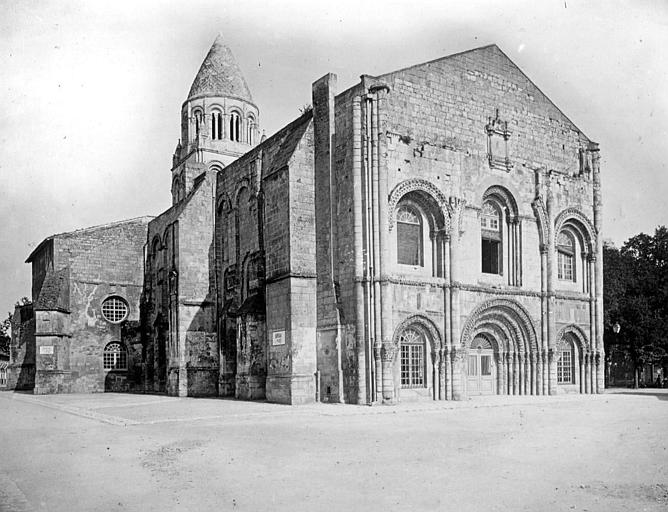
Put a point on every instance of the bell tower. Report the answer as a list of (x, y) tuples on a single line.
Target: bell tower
[(219, 121)]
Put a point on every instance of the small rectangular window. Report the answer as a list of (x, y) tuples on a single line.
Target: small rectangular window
[(491, 256)]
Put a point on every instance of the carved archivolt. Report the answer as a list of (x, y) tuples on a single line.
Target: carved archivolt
[(578, 333), (505, 197), (422, 324), (575, 217), (540, 211), (515, 319), (417, 184)]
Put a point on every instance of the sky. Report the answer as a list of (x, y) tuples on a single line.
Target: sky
[(92, 91)]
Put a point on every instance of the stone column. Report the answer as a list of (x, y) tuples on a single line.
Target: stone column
[(447, 293), (598, 265), (534, 375), (552, 368), (457, 357), (361, 335), (509, 373), (587, 374), (435, 375), (442, 392), (520, 361), (388, 352), (539, 373)]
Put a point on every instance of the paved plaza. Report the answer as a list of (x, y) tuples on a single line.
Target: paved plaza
[(119, 452)]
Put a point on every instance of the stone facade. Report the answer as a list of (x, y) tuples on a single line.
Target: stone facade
[(432, 233), (447, 140), (59, 342)]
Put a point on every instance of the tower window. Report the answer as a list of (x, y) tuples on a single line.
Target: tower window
[(251, 128), (490, 226), (198, 121), (216, 125), (565, 257), (409, 236), (235, 122)]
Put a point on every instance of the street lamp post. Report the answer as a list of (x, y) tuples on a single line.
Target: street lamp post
[(615, 328)]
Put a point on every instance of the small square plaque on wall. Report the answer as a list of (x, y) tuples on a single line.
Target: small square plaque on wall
[(278, 338), (46, 349)]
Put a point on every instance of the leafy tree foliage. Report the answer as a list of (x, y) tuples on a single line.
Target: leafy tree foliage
[(5, 336), (6, 326), (636, 297)]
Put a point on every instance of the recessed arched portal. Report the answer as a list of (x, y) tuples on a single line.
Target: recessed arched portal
[(502, 355)]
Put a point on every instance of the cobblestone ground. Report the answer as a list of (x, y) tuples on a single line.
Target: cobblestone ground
[(117, 452)]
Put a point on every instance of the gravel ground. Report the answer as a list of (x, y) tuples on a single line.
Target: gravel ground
[(114, 452)]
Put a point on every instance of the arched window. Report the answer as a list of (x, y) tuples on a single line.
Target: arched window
[(501, 236), (115, 310), (250, 127), (409, 236), (566, 256), (199, 118), (492, 238), (115, 357), (235, 122), (412, 359), (566, 362), (216, 125)]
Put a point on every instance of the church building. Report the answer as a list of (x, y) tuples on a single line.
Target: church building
[(433, 233)]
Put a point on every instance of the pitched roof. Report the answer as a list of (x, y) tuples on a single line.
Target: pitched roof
[(219, 75), (278, 149), (137, 220)]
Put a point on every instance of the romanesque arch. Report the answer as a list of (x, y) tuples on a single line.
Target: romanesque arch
[(577, 334), (417, 342), (512, 362), (424, 192), (425, 325), (577, 221)]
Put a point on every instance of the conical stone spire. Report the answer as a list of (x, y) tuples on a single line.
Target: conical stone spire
[(219, 75)]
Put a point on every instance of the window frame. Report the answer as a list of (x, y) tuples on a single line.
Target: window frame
[(566, 369), (418, 261), (116, 299), (566, 254), (115, 360), (235, 126), (492, 237), (413, 361)]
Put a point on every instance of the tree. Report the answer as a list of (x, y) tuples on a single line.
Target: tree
[(635, 296), (5, 336)]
